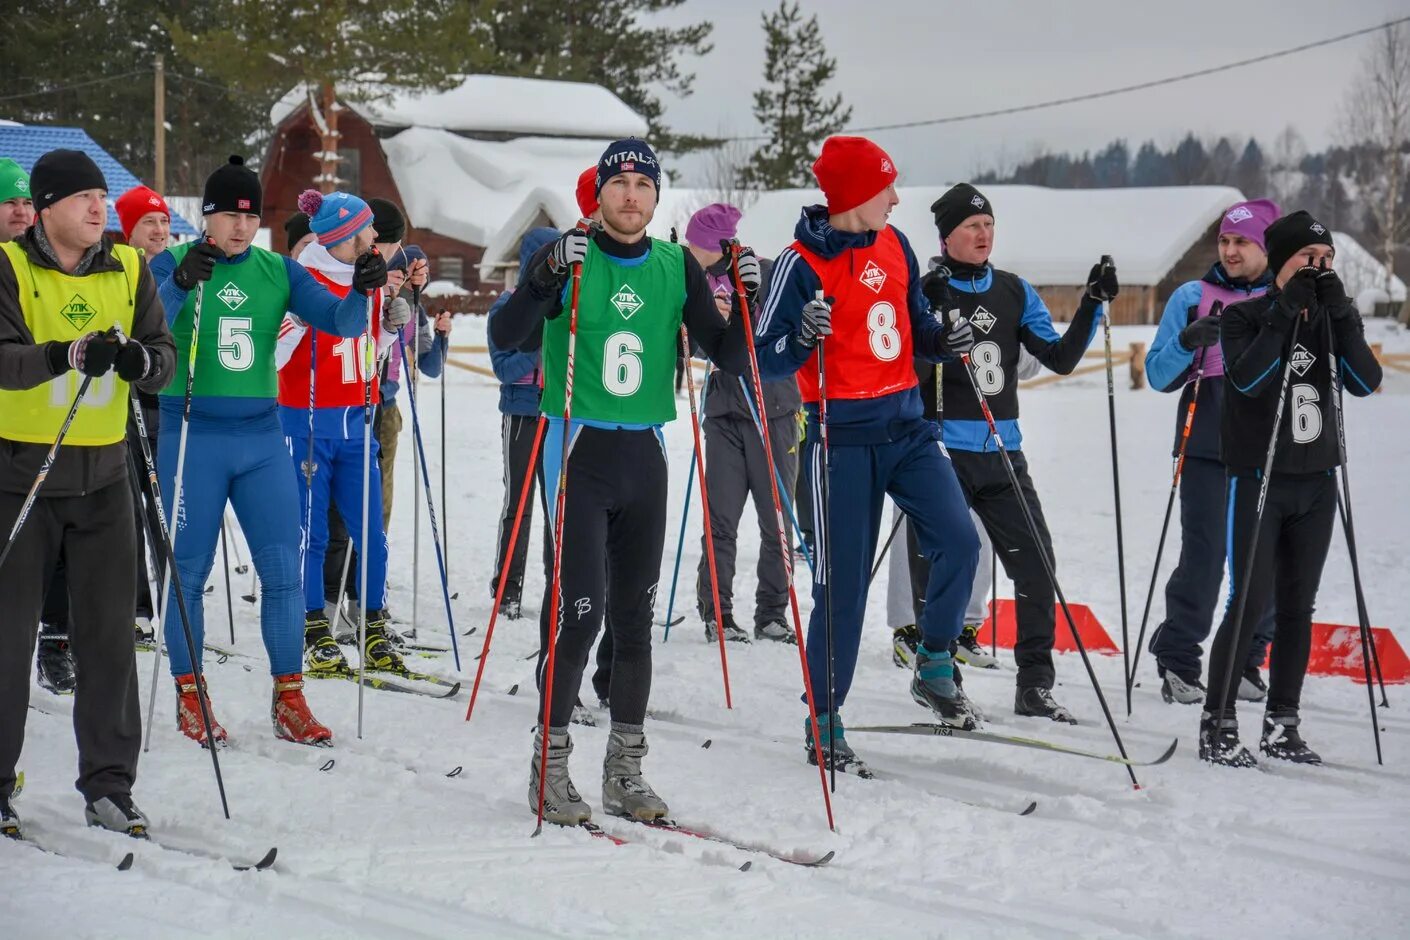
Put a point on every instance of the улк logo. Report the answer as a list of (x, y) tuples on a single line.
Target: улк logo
[(232, 296), (873, 276), (1239, 214), (982, 320), (886, 166), (977, 202), (78, 312), (1319, 228), (1301, 359), (627, 302)]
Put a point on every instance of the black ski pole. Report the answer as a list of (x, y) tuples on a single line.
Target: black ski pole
[(885, 547), (1165, 524), (229, 600), (1116, 494), (993, 600), (825, 569)]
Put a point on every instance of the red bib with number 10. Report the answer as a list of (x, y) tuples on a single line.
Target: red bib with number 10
[(342, 362), (869, 351)]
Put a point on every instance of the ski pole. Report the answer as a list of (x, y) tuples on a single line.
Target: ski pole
[(731, 248), (1165, 524), (821, 481), (229, 602), (1043, 558), (993, 600), (680, 546), (705, 512), (1106, 262), (309, 467), (416, 471), (885, 547), (778, 477), (445, 504), (508, 554), (363, 600), (241, 567)]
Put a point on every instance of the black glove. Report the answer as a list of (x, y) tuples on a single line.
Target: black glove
[(1299, 293), (370, 272), (93, 354), (1101, 281), (1331, 293), (133, 362), (197, 266), (1202, 332), (958, 339), (936, 288)]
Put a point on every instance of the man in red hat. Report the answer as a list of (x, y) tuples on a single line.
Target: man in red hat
[(851, 286), (145, 220)]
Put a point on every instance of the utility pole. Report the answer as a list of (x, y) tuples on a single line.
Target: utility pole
[(159, 122)]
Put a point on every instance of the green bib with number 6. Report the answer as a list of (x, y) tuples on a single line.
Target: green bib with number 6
[(629, 319), (242, 307)]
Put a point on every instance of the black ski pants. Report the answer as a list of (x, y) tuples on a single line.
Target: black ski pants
[(990, 494), (95, 533), (1292, 540), (614, 528), (517, 434)]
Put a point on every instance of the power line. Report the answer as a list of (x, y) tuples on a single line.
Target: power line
[(1110, 92), (62, 88)]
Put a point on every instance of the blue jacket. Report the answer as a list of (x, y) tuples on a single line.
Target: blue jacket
[(521, 386), (793, 284)]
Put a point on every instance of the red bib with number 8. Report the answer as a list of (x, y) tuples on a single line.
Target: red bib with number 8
[(869, 351)]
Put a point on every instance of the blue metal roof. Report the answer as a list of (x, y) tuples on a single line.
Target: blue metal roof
[(26, 143)]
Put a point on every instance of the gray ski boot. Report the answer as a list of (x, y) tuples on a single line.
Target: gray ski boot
[(117, 813), (561, 802), (624, 792)]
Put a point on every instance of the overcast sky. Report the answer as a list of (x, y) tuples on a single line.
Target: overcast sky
[(902, 60)]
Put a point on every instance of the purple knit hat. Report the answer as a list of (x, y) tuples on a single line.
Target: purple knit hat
[(711, 225), (1250, 219)]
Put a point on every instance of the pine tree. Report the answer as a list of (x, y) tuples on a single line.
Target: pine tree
[(1251, 174), (1112, 166), (1189, 163), (1152, 167), (790, 106)]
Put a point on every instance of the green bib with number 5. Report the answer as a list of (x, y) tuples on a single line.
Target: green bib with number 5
[(629, 319), (242, 307)]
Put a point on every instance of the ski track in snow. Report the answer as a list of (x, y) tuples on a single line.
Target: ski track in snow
[(384, 844)]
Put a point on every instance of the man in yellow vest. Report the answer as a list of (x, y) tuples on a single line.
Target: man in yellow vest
[(63, 286)]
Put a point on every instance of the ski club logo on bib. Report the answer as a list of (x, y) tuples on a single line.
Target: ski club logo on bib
[(627, 302), (982, 320), (873, 277), (232, 296), (78, 312), (1301, 359)]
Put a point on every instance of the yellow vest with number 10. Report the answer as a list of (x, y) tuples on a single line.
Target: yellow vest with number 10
[(58, 306)]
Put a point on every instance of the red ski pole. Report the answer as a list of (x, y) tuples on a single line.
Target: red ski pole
[(731, 248), (504, 566), (705, 510)]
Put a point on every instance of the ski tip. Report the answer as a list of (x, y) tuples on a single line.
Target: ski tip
[(1169, 753), (746, 866), (263, 864), (822, 860), (1030, 809), (513, 689), (456, 771), (456, 596), (249, 598), (126, 862), (708, 742), (327, 765)]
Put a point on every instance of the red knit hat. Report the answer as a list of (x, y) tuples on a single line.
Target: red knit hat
[(851, 170), (587, 191), (135, 203)]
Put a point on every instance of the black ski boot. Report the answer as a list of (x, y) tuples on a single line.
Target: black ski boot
[(54, 664), (1281, 739), (1037, 702), (904, 641), (835, 749), (323, 658), (734, 633), (933, 686), (9, 820), (1219, 742), (117, 813)]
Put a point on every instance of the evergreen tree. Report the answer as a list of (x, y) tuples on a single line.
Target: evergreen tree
[(1251, 173), (1222, 160), (790, 106), (1152, 167), (1189, 164), (1112, 166)]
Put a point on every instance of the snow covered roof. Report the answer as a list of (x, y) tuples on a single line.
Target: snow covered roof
[(494, 104), (1362, 271), (1048, 236)]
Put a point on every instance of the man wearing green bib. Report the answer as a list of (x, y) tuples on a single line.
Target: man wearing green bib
[(635, 294)]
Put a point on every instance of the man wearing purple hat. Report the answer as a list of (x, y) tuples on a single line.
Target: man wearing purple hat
[(1186, 346), (735, 468)]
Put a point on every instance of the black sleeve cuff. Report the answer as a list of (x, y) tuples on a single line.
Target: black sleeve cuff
[(58, 355)]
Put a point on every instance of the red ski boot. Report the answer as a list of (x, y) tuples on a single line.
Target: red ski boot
[(188, 712), (292, 719)]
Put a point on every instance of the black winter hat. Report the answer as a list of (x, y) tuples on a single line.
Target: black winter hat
[(61, 173), (1292, 233), (295, 228), (959, 203), (232, 188), (387, 220)]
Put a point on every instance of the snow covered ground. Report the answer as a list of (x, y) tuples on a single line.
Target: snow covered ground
[(385, 844)]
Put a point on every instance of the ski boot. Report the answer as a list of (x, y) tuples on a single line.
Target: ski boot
[(323, 658), (836, 752), (9, 820), (933, 686), (1037, 702), (581, 715), (624, 791), (1219, 742), (291, 717), (188, 712), (117, 813), (978, 715), (379, 654), (733, 632), (344, 627), (969, 650), (904, 641), (1252, 688), (1281, 739), (510, 608), (1175, 688), (54, 664), (145, 633), (775, 631), (561, 802)]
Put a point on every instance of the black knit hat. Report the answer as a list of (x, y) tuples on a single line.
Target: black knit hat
[(387, 220), (959, 203), (1292, 233), (61, 173), (295, 229), (232, 188)]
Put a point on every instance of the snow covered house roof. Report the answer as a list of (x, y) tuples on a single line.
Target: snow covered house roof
[(1047, 236), (1362, 271), (492, 104)]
